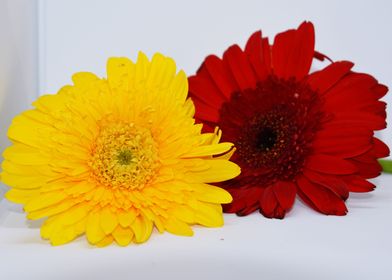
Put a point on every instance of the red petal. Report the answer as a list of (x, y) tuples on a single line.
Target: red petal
[(203, 89), (245, 200), (285, 193), (344, 141), (332, 130), (377, 108), (221, 75), (269, 205), (368, 120), (205, 112), (281, 49), (208, 127), (331, 182), (234, 207), (258, 53), (358, 184), (303, 52), (365, 120), (268, 202), (330, 164), (292, 52), (360, 81), (238, 202), (380, 149), (358, 103), (324, 79), (253, 196), (266, 53), (320, 56), (355, 89), (380, 90), (320, 198), (240, 67), (367, 169)]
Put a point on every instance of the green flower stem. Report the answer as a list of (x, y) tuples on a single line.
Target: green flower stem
[(386, 165)]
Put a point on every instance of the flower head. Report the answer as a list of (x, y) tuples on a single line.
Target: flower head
[(295, 132), (113, 158)]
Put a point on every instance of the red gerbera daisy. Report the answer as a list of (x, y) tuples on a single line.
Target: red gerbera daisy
[(295, 132)]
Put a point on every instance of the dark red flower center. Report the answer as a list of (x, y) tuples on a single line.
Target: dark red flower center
[(272, 127), (266, 138)]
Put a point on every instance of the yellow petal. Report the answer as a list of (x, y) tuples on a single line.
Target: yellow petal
[(220, 170), (159, 224), (81, 154), (95, 194), (148, 213), (25, 155), (18, 169), (29, 134), (21, 196), (106, 241), (162, 72), (83, 80), (108, 220), (27, 170), (209, 193), (123, 236), (180, 87), (74, 214), (39, 116), (189, 107), (52, 210), (94, 231), (80, 188), (177, 227), (141, 69), (218, 135), (211, 138), (80, 226), (209, 215), (184, 213), (227, 155), (50, 102), (142, 229), (194, 164), (48, 227), (60, 233), (126, 218), (45, 200), (119, 71), (63, 236), (20, 182), (174, 149), (208, 150)]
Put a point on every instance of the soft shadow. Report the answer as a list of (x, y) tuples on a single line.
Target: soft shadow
[(34, 239), (361, 196), (34, 223)]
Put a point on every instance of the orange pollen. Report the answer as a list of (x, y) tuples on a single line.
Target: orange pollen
[(124, 156)]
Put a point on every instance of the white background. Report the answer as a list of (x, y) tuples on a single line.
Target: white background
[(18, 60), (44, 42)]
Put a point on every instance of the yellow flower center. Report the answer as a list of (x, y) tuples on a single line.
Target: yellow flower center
[(124, 156)]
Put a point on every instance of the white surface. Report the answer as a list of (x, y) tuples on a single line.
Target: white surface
[(79, 36), (304, 246)]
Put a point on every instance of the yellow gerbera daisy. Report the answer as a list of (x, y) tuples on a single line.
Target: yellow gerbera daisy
[(115, 157)]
